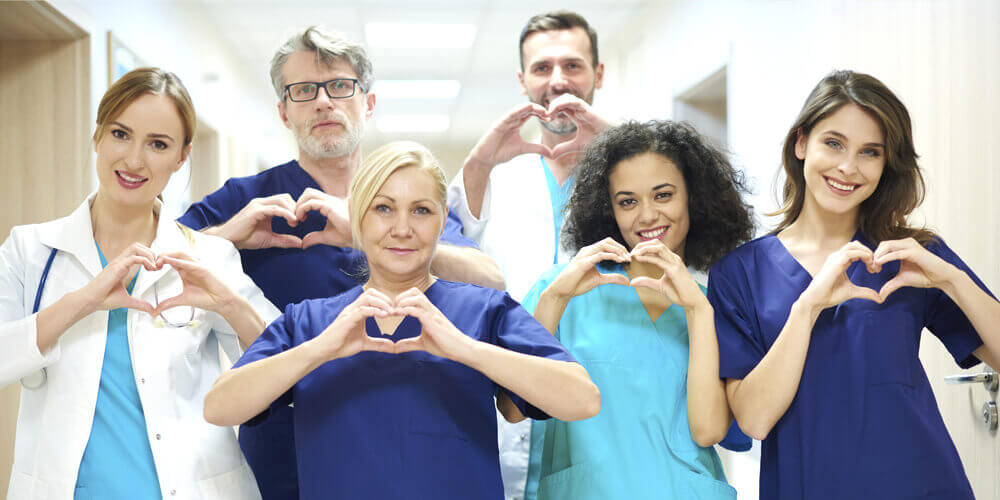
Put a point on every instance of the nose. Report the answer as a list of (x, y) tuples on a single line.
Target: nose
[(848, 167), (401, 227), (647, 215), (133, 160), (323, 99), (558, 80)]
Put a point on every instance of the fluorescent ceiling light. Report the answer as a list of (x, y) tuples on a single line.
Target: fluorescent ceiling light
[(417, 89), (420, 36), (414, 123)]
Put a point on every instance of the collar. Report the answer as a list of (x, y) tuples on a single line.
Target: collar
[(74, 235)]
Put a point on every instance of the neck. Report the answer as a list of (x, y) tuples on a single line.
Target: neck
[(822, 228), (332, 174), (395, 285), (117, 226), (563, 166)]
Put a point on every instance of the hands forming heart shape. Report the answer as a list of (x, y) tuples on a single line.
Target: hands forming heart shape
[(251, 227), (504, 141), (346, 336)]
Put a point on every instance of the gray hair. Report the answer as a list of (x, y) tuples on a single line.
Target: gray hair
[(328, 48)]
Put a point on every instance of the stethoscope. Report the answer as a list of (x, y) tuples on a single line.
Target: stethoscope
[(37, 379)]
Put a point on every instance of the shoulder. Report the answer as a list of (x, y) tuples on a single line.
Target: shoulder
[(324, 308), (264, 182), (744, 255)]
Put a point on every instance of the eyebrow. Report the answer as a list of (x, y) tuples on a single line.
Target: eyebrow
[(390, 198), (558, 60), (655, 188), (154, 136), (844, 137)]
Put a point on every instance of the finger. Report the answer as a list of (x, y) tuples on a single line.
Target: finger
[(179, 264), (894, 255), (378, 345), (175, 301), (285, 241), (862, 254), (613, 245), (599, 257), (371, 300), (179, 255), (860, 292), (138, 249), (126, 266), (889, 287), (654, 259), (140, 305), (410, 344), (612, 279), (643, 281), (270, 211), (318, 238), (574, 146), (378, 293), (280, 200), (535, 148), (373, 312)]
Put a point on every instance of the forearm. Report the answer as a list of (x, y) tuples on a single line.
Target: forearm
[(243, 393), (467, 265), (561, 389), (550, 308), (55, 319), (982, 311), (476, 176), (708, 410), (244, 320), (765, 394)]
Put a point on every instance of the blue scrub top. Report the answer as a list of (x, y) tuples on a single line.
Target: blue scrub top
[(864, 422), (287, 276), (640, 445), (412, 425), (118, 460)]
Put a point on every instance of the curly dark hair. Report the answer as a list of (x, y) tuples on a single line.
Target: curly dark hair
[(720, 219)]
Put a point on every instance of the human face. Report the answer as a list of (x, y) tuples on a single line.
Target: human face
[(324, 128), (844, 157), (400, 229), (650, 201), (558, 62), (140, 150)]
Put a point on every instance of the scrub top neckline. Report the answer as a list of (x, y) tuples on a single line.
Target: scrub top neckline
[(796, 266), (620, 269), (307, 175)]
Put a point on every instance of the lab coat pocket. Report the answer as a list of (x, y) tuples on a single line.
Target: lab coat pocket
[(891, 340), (237, 484), (21, 486)]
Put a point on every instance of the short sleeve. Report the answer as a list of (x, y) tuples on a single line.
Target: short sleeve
[(216, 208), (452, 233), (736, 440), (276, 339), (946, 320), (516, 330), (740, 345)]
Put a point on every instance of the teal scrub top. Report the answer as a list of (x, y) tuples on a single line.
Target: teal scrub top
[(639, 446), (118, 460), (559, 195)]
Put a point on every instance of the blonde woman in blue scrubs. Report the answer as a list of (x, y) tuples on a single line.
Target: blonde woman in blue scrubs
[(112, 318), (651, 200)]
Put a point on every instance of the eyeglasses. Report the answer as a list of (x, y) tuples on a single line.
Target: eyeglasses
[(173, 317), (338, 88)]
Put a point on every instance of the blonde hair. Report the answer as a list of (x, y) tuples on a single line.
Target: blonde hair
[(378, 166), (137, 83)]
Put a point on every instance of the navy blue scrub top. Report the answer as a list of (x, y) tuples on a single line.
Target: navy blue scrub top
[(864, 422), (286, 276), (409, 425)]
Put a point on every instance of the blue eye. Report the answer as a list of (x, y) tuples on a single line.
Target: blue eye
[(833, 144), (383, 208), (422, 211), (118, 133), (872, 153)]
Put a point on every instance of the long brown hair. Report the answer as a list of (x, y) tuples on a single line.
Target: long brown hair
[(883, 216), (137, 83)]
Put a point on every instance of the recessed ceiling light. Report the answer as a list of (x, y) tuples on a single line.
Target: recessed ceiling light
[(412, 123), (417, 89), (420, 36)]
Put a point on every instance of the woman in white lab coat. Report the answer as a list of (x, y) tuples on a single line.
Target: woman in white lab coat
[(112, 317)]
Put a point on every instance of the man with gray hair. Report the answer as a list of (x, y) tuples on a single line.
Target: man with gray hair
[(290, 222)]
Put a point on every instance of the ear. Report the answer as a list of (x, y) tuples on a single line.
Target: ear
[(369, 105), (185, 153), (520, 80), (599, 76), (284, 116), (800, 144)]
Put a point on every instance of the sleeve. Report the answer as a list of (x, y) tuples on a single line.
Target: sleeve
[(736, 440), (230, 270), (216, 208), (472, 227), (452, 234), (946, 320), (276, 339), (740, 345), (19, 354), (516, 330)]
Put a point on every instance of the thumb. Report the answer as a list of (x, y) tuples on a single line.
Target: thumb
[(410, 344), (176, 301), (285, 241), (140, 305), (645, 282), (613, 279), (316, 238), (860, 292), (890, 287)]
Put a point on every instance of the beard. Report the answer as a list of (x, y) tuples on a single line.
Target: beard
[(327, 146), (561, 124)]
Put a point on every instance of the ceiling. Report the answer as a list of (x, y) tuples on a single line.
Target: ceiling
[(486, 70)]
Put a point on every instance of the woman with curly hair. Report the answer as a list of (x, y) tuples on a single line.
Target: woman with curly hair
[(651, 199), (819, 322)]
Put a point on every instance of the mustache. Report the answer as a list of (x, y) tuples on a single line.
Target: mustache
[(334, 115)]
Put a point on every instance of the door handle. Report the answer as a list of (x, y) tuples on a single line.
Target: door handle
[(990, 415), (988, 378)]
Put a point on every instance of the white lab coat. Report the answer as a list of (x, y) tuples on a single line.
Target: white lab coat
[(174, 367), (515, 227)]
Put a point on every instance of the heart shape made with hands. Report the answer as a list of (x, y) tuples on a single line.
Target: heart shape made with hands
[(336, 231), (576, 143)]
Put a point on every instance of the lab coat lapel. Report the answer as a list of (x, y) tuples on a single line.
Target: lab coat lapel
[(74, 235)]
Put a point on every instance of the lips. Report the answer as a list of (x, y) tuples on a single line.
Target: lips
[(130, 181), (400, 251), (653, 234), (325, 124), (841, 188)]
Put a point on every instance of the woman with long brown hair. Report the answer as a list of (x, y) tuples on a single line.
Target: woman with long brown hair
[(819, 322)]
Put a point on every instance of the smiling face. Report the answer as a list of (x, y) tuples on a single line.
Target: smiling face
[(558, 62), (844, 156), (650, 201), (400, 229), (139, 151), (324, 127)]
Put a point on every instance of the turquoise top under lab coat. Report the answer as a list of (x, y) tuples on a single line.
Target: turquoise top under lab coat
[(639, 446)]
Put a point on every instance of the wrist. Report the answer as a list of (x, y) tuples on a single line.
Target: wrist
[(804, 306), (700, 309), (231, 305), (474, 164), (955, 279), (83, 301)]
